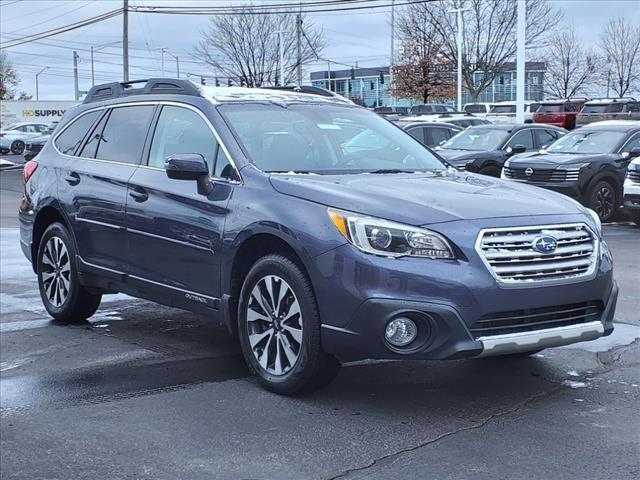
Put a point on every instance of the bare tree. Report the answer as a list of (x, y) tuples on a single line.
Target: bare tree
[(570, 67), (9, 79), (244, 46), (489, 33), (620, 45), (421, 72)]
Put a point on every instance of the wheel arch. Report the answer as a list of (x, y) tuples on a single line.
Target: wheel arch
[(46, 216), (251, 248), (609, 176)]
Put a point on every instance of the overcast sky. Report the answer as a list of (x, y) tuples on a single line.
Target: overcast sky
[(361, 36)]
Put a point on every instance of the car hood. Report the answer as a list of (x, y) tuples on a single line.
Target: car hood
[(461, 157), (551, 159), (424, 198)]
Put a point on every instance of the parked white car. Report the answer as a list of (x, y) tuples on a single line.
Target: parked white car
[(461, 120), (12, 138), (505, 112), (632, 190)]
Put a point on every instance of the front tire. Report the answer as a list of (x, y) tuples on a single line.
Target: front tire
[(490, 171), (17, 147), (603, 200), (279, 328), (63, 296)]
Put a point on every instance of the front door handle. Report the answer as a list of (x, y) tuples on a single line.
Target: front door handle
[(139, 194), (72, 179)]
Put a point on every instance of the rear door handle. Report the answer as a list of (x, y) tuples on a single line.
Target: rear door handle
[(72, 179), (139, 194)]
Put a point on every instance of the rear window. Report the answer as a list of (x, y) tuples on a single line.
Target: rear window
[(71, 138), (551, 108), (603, 108), (503, 109), (475, 108)]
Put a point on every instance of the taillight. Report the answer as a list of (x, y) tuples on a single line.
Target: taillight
[(29, 170)]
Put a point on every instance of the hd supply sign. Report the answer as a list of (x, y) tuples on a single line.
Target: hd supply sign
[(12, 111)]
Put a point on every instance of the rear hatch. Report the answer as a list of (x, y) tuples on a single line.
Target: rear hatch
[(551, 113)]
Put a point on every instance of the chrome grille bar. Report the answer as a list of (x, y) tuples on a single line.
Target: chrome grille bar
[(509, 255)]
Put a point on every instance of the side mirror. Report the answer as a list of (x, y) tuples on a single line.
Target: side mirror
[(634, 152), (189, 166), (516, 149)]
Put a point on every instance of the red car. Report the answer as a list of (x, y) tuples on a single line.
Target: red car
[(559, 112)]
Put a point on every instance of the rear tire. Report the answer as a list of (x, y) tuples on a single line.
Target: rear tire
[(279, 329), (63, 296), (17, 147), (602, 199), (635, 216), (490, 171)]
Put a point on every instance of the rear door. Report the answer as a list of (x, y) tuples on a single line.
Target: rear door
[(174, 232), (94, 184), (437, 135)]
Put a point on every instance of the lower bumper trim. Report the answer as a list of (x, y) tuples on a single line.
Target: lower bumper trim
[(539, 339)]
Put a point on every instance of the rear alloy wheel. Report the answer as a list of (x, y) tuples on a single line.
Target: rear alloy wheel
[(602, 200), (279, 328), (63, 296), (17, 147)]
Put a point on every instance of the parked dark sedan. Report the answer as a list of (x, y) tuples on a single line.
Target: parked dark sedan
[(429, 133), (589, 164), (484, 148)]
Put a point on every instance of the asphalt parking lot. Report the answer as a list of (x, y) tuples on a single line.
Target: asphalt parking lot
[(145, 391)]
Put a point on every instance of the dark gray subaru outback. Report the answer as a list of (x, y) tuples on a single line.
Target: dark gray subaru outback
[(316, 230)]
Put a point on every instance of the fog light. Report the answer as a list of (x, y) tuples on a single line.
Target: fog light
[(401, 331)]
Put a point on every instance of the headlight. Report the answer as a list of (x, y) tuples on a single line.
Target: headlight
[(390, 239), (596, 221)]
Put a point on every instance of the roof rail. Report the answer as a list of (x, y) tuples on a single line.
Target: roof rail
[(616, 99), (305, 89), (149, 86)]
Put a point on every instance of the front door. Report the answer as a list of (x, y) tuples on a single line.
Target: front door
[(174, 232)]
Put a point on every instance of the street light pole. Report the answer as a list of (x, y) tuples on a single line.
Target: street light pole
[(458, 11), (75, 75), (125, 41), (37, 89), (391, 52), (520, 60), (93, 75)]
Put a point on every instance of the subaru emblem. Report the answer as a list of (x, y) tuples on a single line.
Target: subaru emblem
[(544, 244), (529, 171)]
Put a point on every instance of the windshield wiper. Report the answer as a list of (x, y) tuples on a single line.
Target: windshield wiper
[(391, 170)]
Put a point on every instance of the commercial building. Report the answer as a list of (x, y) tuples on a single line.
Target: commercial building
[(370, 86)]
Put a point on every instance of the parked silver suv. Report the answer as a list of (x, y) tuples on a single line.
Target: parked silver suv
[(608, 109)]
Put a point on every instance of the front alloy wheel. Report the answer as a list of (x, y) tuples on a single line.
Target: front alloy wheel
[(603, 200), (279, 328), (274, 323)]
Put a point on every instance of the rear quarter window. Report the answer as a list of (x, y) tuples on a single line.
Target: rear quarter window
[(71, 137)]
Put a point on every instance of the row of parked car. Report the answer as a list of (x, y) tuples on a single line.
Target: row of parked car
[(567, 113), (25, 138), (588, 164)]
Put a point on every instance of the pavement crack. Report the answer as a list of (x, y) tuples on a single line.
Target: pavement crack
[(391, 457)]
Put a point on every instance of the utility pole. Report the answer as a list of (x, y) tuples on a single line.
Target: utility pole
[(75, 75), (162, 60), (520, 61), (37, 89), (458, 11), (391, 52), (329, 73), (299, 43), (280, 56), (125, 41), (177, 67), (93, 75)]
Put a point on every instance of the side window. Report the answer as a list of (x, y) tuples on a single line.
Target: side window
[(22, 128), (91, 145), (417, 133), (631, 144), (41, 128), (545, 137), (69, 140), (523, 137), (123, 136), (181, 130), (223, 167), (439, 135)]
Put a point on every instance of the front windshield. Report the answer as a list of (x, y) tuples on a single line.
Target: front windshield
[(12, 126), (551, 108), (324, 139), (477, 138), (503, 109), (599, 141)]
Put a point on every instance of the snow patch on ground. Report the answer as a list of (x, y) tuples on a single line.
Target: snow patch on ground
[(574, 384)]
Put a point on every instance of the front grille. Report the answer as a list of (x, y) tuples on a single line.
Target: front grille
[(634, 175), (510, 256), (542, 174), (533, 319)]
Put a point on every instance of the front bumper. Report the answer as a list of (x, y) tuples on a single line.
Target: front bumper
[(358, 294), (631, 199)]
